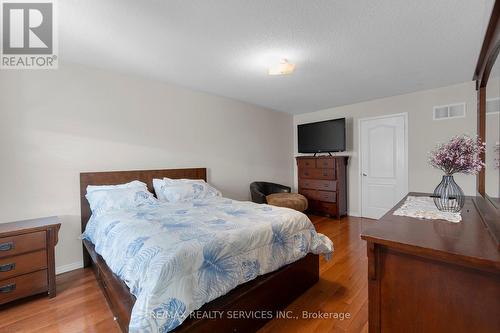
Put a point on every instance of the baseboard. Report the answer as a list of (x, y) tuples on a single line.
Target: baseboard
[(69, 267), (355, 214)]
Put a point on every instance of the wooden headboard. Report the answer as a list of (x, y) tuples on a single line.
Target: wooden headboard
[(120, 177)]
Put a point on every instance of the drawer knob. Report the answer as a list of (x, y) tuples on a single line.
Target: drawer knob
[(6, 246), (8, 288), (7, 267)]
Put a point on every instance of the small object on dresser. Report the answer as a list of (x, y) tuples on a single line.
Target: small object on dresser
[(448, 196), (422, 207), (459, 155), (27, 265)]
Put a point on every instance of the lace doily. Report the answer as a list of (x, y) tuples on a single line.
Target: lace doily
[(424, 208)]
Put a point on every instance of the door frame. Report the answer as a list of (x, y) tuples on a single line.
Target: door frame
[(360, 163)]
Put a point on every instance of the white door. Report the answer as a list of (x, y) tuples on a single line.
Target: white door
[(383, 163)]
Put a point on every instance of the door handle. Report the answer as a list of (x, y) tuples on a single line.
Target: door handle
[(364, 174)]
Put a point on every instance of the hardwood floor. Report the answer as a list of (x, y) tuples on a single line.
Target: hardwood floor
[(343, 285), (81, 307)]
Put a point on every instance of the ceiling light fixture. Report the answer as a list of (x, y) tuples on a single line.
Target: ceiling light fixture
[(283, 68)]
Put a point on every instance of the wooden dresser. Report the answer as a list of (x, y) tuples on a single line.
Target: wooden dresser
[(322, 180), (433, 275), (27, 258)]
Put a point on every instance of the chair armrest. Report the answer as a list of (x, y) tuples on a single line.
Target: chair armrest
[(258, 196)]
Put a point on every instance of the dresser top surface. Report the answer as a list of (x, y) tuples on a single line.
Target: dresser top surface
[(18, 227), (467, 242)]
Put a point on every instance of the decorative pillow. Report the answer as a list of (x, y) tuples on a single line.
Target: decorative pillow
[(102, 201), (132, 184), (178, 190)]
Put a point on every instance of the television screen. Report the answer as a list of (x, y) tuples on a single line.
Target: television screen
[(322, 137)]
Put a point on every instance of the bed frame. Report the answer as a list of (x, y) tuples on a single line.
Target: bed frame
[(270, 292)]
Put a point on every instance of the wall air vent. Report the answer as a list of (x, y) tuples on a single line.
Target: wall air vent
[(493, 105), (449, 111)]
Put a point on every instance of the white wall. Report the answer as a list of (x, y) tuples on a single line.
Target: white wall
[(423, 133), (56, 124)]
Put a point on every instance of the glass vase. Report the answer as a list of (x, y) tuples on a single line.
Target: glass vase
[(448, 196)]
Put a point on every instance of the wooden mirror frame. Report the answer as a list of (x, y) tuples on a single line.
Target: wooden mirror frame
[(489, 53)]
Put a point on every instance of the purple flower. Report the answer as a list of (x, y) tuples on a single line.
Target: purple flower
[(462, 154)]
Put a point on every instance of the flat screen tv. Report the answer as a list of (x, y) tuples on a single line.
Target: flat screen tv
[(322, 137)]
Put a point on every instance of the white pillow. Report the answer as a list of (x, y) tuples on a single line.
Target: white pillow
[(132, 184), (106, 200), (183, 180), (178, 190), (212, 190)]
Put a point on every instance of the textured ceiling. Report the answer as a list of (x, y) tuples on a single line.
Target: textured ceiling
[(346, 51)]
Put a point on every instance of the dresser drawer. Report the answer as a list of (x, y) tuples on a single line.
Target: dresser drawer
[(309, 194), (325, 163), (14, 245), (327, 185), (23, 285), (329, 208), (306, 163), (317, 173), (22, 264), (326, 196)]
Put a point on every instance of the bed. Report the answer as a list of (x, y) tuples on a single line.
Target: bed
[(265, 293)]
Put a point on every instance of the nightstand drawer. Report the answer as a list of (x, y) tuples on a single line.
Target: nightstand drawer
[(22, 264), (14, 245), (23, 285)]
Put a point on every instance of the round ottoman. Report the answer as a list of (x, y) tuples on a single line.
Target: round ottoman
[(290, 200)]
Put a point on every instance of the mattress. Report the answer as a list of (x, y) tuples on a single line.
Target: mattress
[(177, 257)]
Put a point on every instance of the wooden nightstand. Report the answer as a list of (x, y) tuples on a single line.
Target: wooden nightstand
[(27, 264)]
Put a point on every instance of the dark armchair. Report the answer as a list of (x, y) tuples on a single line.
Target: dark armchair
[(260, 190)]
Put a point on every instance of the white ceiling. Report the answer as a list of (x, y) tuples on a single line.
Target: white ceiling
[(346, 51)]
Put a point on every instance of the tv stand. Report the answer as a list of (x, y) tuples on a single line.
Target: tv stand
[(323, 181)]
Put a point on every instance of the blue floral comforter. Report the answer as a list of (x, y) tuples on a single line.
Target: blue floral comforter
[(177, 257)]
